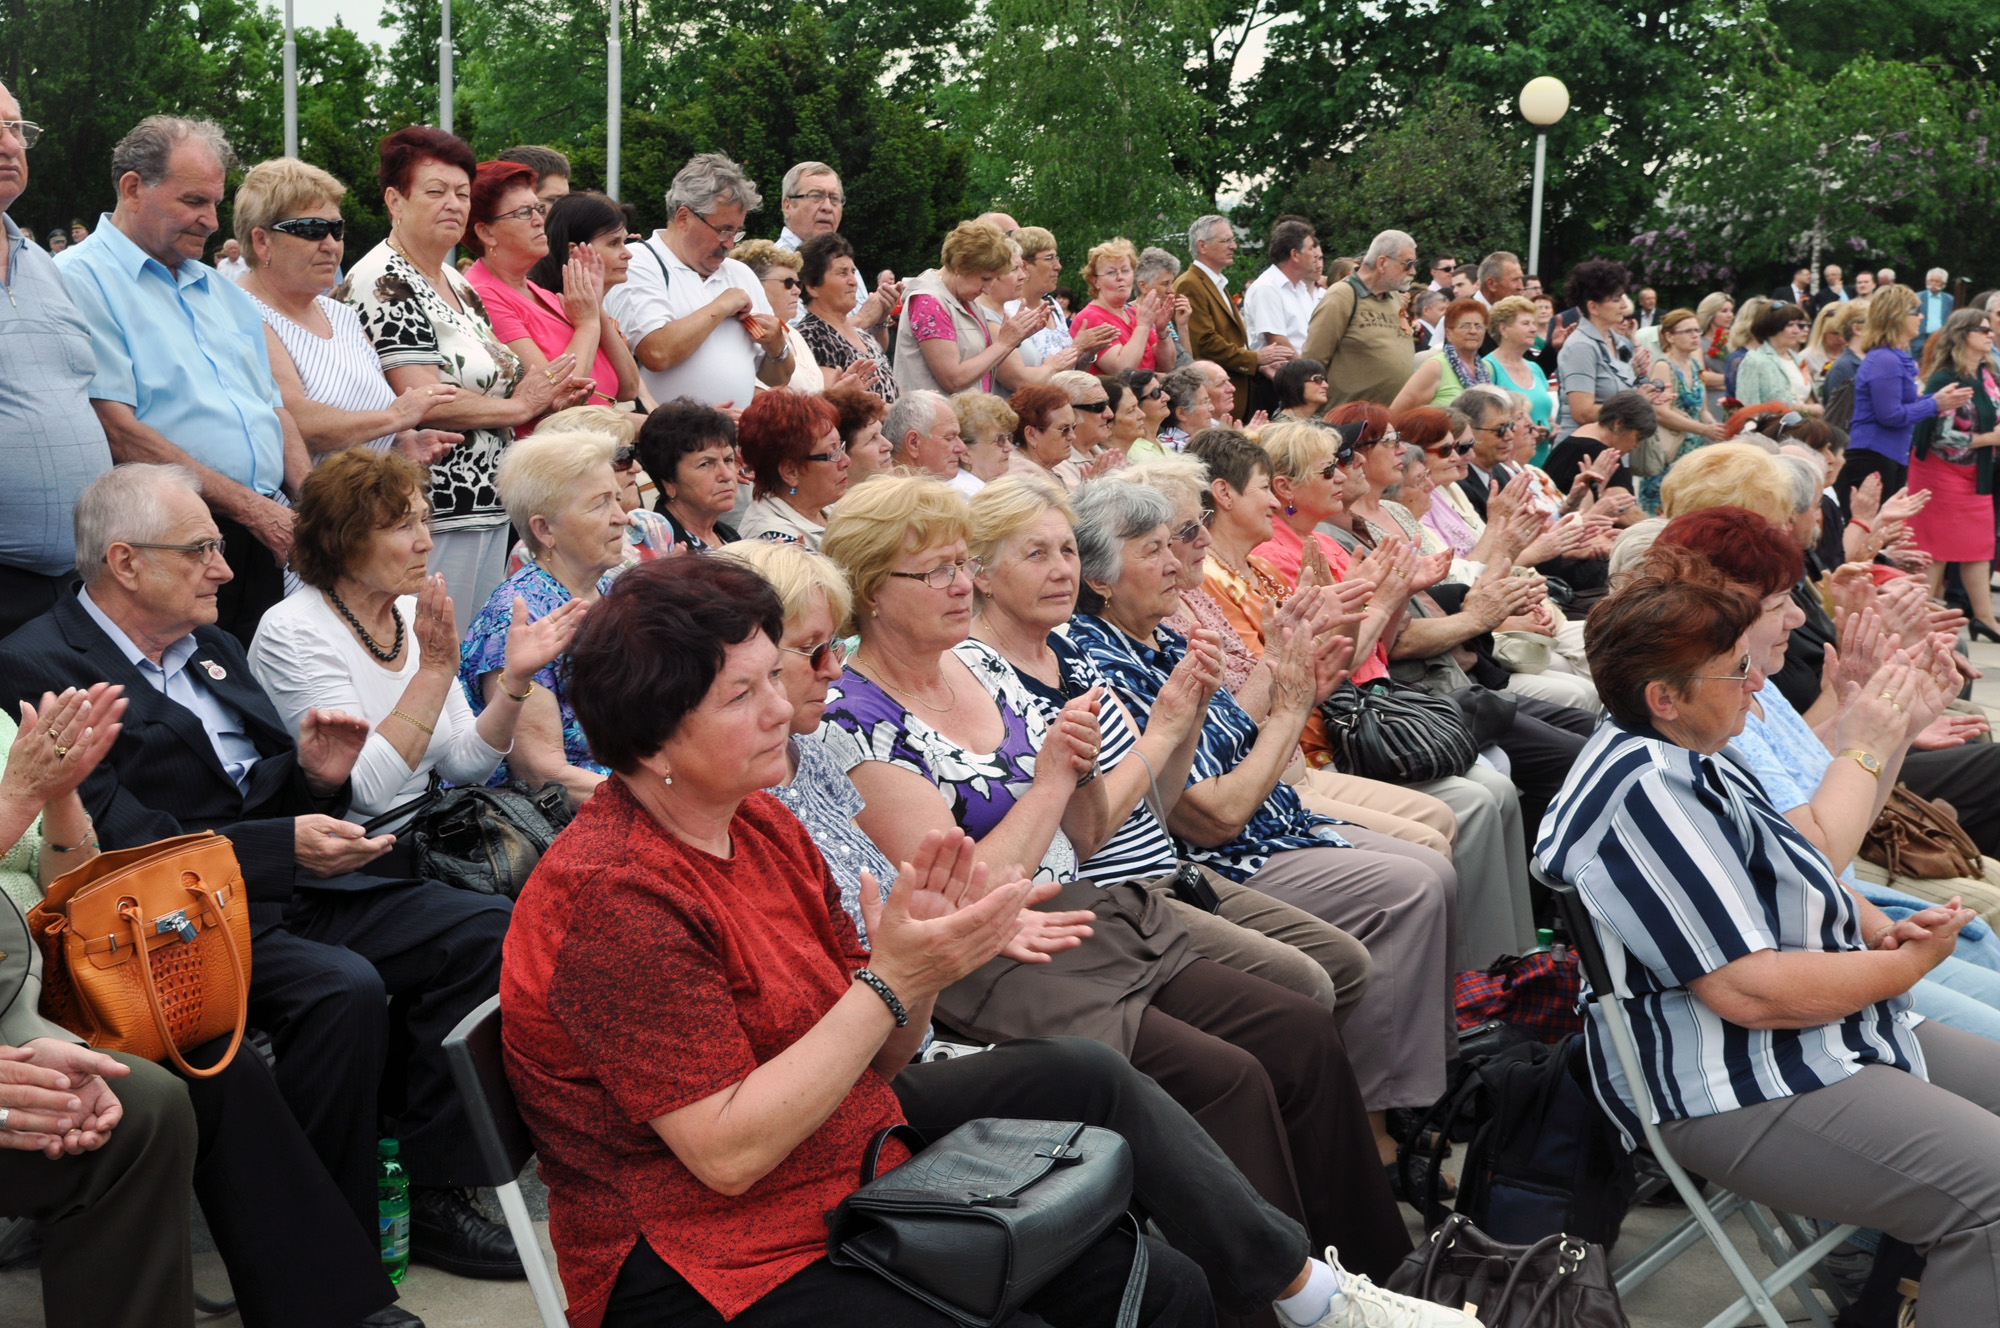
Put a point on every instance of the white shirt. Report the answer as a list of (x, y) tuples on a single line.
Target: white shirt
[(1221, 282), (304, 655), (235, 269), (966, 482), (1276, 306), (658, 288)]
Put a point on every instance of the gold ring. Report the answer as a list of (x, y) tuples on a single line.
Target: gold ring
[(53, 733), (61, 751)]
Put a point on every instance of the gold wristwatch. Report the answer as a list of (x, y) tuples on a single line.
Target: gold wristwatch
[(1867, 760)]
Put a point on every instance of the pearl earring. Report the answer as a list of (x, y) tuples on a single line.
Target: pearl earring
[(668, 781)]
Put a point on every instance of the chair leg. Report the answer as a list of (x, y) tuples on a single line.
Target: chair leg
[(1778, 1250), (540, 1281), (1796, 1232), (1686, 1234)]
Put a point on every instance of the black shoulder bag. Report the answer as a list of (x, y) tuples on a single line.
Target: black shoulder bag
[(486, 840), (1397, 733), (985, 1217)]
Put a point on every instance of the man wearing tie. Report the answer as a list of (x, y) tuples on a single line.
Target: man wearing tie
[(1799, 292), (1936, 306)]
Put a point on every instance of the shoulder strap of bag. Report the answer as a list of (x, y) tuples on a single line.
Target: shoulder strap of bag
[(143, 958), (1135, 1281), (871, 1156)]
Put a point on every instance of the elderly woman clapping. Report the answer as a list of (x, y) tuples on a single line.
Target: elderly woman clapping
[(945, 343), (1790, 1068), (562, 495)]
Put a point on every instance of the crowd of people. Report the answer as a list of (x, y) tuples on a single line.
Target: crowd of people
[(953, 683)]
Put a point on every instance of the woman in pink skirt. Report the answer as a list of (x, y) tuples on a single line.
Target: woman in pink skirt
[(1954, 457)]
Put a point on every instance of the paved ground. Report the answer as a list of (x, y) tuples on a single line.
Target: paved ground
[(1686, 1294)]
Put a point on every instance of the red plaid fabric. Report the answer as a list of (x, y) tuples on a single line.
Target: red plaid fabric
[(1536, 993)]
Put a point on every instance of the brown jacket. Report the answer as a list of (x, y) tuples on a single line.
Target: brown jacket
[(1363, 341), (1216, 332)]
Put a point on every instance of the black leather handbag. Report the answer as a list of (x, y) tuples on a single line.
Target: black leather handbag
[(1397, 733), (982, 1219), (1558, 1282), (486, 840)]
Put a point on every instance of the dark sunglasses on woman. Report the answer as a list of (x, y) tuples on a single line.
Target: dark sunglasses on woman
[(313, 229), (1447, 449)]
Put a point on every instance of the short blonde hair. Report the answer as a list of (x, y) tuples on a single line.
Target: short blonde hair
[(1181, 479), (1728, 475), (1507, 310), (1887, 308), (1297, 447), (1007, 506), (275, 190), (876, 523), (620, 424), (1117, 247), (1034, 241), (538, 475), (976, 247), (796, 573), (1740, 335), (981, 414), (760, 256)]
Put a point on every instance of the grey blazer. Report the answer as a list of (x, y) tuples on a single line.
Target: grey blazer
[(21, 982)]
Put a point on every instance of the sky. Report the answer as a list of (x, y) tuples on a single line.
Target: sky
[(364, 17)]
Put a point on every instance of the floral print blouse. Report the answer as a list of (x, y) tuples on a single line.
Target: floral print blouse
[(485, 651), (409, 323)]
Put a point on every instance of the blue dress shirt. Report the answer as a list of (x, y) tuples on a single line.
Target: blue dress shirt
[(173, 679), (185, 350)]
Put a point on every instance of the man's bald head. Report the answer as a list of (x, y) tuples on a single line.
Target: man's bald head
[(13, 153), (1006, 223)]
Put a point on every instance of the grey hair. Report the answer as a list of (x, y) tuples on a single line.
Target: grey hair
[(1481, 402), (1180, 477), (1387, 245), (1199, 228), (1181, 385), (149, 145), (799, 172), (710, 179), (1494, 265), (1075, 382), (1107, 514), (123, 505), (914, 412), (1152, 262), (1939, 273), (1807, 478), (1631, 549)]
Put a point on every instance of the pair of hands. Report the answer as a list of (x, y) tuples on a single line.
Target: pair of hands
[(583, 285), (1183, 699), (1069, 749), (57, 1098), (1499, 594), (81, 724), (1886, 713), (556, 387), (947, 916), (1275, 352), (881, 302), (1929, 934)]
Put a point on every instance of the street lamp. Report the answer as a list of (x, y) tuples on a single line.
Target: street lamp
[(291, 86), (614, 79), (1543, 102)]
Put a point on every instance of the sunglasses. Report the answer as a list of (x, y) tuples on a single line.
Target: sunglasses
[(1447, 449), (789, 283), (1318, 378), (817, 655), (1093, 407), (313, 229), (1341, 459), (625, 456), (1188, 533)]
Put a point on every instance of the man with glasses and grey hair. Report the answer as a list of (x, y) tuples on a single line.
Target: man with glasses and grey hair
[(51, 444), (698, 321), (1359, 332), (813, 203), (1216, 331), (183, 375)]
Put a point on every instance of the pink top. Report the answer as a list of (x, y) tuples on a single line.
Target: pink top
[(1094, 313), (540, 320), (1285, 552), (1450, 527), (927, 319)]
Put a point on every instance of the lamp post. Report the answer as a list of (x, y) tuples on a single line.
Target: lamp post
[(291, 87), (614, 60), (1544, 101), (444, 68)]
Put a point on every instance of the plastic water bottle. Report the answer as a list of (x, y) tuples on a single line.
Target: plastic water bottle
[(1545, 939), (392, 1204)]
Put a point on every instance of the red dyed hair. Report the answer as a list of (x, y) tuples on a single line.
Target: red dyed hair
[(1745, 420), (1036, 403), (1423, 426), (1663, 626), (857, 407), (1459, 308), (491, 183), (1374, 420), (406, 149), (1744, 547), (781, 426)]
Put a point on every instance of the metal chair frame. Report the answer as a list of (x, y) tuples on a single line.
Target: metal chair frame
[(1796, 1258), (473, 1052)]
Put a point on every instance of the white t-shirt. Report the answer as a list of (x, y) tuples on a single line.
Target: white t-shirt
[(1274, 306), (966, 482), (658, 288), (233, 268), (304, 655)]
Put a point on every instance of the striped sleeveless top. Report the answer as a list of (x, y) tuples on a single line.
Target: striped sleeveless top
[(339, 371)]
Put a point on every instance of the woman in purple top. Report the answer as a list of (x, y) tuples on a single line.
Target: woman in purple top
[(1887, 405)]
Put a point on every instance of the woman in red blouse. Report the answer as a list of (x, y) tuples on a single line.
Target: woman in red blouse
[(700, 1045)]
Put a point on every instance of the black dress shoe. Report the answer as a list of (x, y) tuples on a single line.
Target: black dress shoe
[(447, 1232), (395, 1316)]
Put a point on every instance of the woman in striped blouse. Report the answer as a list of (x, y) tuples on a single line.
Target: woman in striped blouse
[(1781, 1051)]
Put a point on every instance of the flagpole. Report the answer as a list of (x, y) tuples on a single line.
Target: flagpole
[(614, 86)]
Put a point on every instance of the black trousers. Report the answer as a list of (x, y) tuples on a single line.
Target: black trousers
[(258, 584), (1248, 1250), (1967, 777), (1541, 746), (649, 1294), (25, 596), (1861, 463), (345, 974)]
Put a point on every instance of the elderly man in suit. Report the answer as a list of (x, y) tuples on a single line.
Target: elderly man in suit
[(1215, 328), (338, 927), (1935, 304)]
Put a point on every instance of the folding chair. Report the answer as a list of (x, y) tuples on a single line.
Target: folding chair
[(1795, 1257), (473, 1051)]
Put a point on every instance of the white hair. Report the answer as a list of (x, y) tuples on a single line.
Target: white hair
[(1939, 273), (1199, 228), (1807, 479), (1154, 260), (914, 412), (710, 179), (125, 505), (538, 474), (1387, 245)]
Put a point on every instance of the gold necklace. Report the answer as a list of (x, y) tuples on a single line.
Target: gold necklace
[(951, 693)]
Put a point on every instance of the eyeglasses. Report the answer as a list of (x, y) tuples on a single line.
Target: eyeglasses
[(944, 575), (817, 655), (1502, 429), (789, 283), (1741, 676), (729, 236), (833, 453), (205, 551), (1470, 327), (1318, 378), (1190, 532), (1408, 265), (312, 229), (537, 211), (1447, 449), (1092, 407), (1344, 457), (26, 130), (816, 197), (1066, 430)]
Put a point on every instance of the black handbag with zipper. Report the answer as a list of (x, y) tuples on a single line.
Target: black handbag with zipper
[(985, 1217), (1397, 733), (486, 840), (1560, 1281)]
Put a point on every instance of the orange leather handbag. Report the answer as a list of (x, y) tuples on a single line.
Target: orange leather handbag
[(178, 904)]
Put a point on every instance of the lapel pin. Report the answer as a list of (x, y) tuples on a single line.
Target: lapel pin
[(215, 670)]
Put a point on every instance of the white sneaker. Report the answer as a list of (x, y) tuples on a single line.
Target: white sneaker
[(1362, 1304)]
